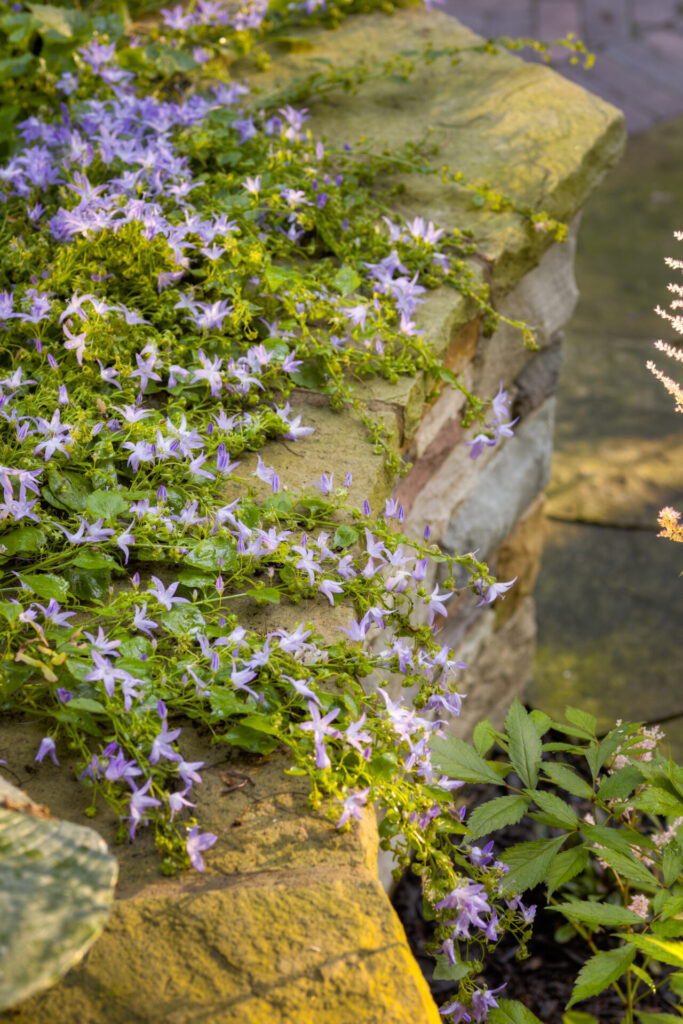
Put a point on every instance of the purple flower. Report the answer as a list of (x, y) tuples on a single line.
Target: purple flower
[(177, 801), (139, 803), (161, 745), (353, 806), (470, 904), (47, 746), (196, 843), (496, 590), (164, 595), (320, 727)]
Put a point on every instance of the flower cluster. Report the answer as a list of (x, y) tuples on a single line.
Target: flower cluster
[(174, 265)]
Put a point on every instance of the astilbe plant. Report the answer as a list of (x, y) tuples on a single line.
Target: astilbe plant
[(176, 256), (669, 518)]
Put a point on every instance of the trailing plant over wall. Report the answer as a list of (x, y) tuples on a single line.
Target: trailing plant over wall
[(176, 256)]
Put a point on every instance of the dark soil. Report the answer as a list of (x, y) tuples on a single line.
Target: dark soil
[(544, 981)]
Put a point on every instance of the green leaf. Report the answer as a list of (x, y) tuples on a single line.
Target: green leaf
[(9, 611), (600, 971), (554, 807), (94, 707), (183, 620), (567, 778), (265, 595), (224, 702), (672, 864), (261, 723), (654, 800), (382, 767), (46, 585), (193, 578), (577, 1017), (509, 1011), (664, 950), (628, 867), (26, 540), (566, 866), (658, 1018), (209, 553), (57, 883), (252, 740), (582, 720), (621, 784), (530, 862), (461, 761), (86, 584), (94, 560), (606, 915), (495, 814), (446, 971), (70, 489), (483, 737), (542, 722), (105, 504), (345, 536), (525, 744), (346, 280), (63, 21)]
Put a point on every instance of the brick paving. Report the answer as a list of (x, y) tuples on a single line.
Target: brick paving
[(638, 46)]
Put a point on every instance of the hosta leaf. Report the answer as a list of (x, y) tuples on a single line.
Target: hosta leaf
[(600, 971), (495, 814), (461, 761), (530, 862), (606, 914), (56, 889), (525, 744)]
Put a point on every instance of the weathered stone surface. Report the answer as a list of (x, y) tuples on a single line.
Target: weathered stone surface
[(504, 488), (545, 299), (288, 924), (538, 380), (520, 556), (499, 666)]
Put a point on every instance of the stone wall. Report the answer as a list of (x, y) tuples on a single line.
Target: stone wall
[(290, 922)]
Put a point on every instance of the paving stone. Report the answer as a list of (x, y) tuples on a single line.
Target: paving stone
[(667, 74), (666, 44), (655, 12), (505, 488), (638, 116), (556, 19), (609, 605), (605, 21)]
